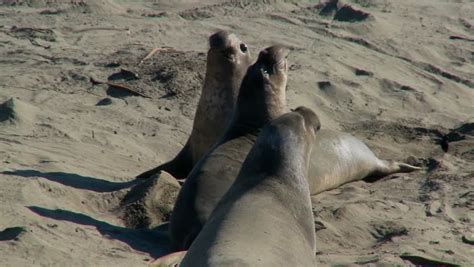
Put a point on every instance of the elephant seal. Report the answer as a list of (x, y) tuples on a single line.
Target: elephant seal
[(265, 219), (261, 99), (227, 61), (339, 158)]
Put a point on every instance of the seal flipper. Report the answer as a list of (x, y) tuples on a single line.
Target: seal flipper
[(170, 260), (404, 167), (179, 167), (387, 167)]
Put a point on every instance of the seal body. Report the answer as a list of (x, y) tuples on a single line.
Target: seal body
[(227, 61), (261, 99), (265, 219), (338, 158)]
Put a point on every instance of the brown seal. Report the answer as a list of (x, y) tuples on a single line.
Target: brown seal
[(261, 99), (265, 219), (227, 61)]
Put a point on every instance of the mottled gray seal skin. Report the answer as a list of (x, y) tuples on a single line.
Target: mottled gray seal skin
[(261, 99), (228, 59), (339, 158), (265, 219)]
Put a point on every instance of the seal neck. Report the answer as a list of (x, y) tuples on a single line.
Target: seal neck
[(258, 105), (282, 152)]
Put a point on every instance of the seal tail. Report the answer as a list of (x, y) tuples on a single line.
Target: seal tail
[(387, 167)]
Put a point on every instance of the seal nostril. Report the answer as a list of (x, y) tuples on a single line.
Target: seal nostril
[(243, 47)]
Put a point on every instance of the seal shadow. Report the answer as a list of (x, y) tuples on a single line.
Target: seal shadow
[(155, 241), (74, 180)]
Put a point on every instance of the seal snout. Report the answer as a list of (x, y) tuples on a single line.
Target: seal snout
[(310, 117), (223, 40), (273, 55)]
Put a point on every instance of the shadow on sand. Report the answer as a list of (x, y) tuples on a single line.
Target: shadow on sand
[(11, 233), (74, 180), (152, 241)]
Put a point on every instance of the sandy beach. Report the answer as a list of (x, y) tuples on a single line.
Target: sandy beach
[(83, 110)]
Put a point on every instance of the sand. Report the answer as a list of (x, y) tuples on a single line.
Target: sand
[(397, 74)]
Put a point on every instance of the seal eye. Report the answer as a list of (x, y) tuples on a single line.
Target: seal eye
[(243, 48)]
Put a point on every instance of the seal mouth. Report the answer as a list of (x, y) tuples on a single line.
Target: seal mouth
[(228, 54), (273, 55), (272, 58)]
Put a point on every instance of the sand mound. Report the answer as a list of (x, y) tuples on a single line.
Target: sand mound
[(151, 203), (341, 11), (17, 112)]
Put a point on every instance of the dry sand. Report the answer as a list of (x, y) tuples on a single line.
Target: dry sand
[(400, 78)]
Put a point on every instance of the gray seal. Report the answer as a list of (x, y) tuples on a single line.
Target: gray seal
[(338, 158), (265, 219)]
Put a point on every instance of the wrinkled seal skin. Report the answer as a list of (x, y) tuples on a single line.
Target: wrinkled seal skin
[(339, 158), (227, 62), (261, 99), (265, 219)]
